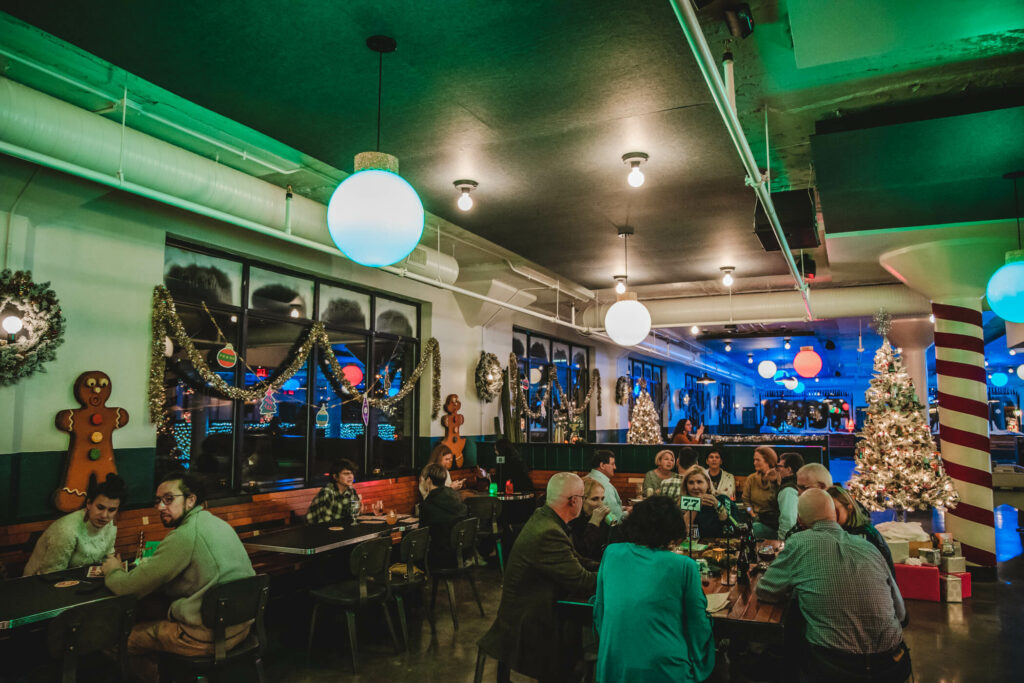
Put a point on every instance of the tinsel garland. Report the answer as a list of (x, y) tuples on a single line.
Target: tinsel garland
[(515, 385), (768, 438), (488, 377), (166, 322), (622, 385), (42, 328)]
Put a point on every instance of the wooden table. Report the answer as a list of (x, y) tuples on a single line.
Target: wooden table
[(312, 539), (32, 599)]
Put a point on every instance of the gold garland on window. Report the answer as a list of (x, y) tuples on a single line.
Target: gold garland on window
[(167, 323), (519, 396)]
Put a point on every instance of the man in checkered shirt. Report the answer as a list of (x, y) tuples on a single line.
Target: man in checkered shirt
[(846, 594), (338, 501)]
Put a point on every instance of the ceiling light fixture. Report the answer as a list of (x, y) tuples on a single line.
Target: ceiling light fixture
[(766, 369), (786, 345), (705, 379), (465, 187), (620, 284), (627, 322), (728, 347), (750, 359), (634, 159), (694, 330), (931, 318), (375, 216), (1005, 290), (727, 278), (1013, 352)]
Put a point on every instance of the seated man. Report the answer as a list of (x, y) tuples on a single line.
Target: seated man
[(338, 501), (602, 467), (82, 537), (787, 496), (847, 596), (440, 510), (201, 551), (813, 475), (542, 568)]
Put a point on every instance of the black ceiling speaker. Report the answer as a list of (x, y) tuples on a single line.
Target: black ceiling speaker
[(796, 214)]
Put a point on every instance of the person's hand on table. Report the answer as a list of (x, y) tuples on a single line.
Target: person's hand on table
[(458, 483), (598, 515), (111, 563)]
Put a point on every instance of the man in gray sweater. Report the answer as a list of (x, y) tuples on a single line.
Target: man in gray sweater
[(200, 552)]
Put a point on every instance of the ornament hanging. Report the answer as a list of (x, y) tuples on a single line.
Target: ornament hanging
[(323, 418), (227, 357), (268, 406)]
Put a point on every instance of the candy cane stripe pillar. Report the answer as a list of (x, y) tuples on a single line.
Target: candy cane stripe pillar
[(963, 423)]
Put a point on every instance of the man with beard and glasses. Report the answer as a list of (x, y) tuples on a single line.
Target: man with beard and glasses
[(201, 551)]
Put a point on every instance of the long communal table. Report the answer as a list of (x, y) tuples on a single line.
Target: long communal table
[(31, 599), (312, 539)]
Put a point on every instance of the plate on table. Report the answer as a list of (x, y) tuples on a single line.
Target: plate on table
[(717, 602), (408, 520), (373, 520), (335, 528)]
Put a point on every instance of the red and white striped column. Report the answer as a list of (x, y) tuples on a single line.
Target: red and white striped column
[(963, 420)]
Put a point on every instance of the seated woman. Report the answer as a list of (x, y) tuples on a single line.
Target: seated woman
[(673, 486), (722, 482), (852, 516), (714, 510), (439, 511), (664, 464), (650, 609), (760, 492), (441, 455), (82, 537), (683, 433), (590, 530)]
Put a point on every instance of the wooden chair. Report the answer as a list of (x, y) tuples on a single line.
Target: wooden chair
[(464, 544), (92, 627), (369, 562), (226, 605), (488, 511), (413, 552)]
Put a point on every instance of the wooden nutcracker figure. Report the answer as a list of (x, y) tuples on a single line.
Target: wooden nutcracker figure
[(452, 422), (90, 453)]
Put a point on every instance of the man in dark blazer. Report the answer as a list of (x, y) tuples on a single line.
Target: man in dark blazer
[(542, 568)]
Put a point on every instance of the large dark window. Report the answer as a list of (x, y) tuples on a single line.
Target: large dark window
[(285, 438), (652, 375), (535, 353)]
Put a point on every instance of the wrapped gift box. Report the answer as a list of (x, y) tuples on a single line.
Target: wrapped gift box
[(951, 588), (900, 550), (965, 582), (916, 546), (953, 565), (918, 583), (930, 556)]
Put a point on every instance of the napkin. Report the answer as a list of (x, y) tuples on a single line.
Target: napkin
[(717, 601)]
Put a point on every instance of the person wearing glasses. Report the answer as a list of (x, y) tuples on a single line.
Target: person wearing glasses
[(200, 551), (789, 465), (542, 568), (82, 537)]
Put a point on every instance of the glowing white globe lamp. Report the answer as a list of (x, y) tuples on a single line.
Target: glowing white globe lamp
[(1020, 371), (627, 322), (766, 369), (1005, 291), (634, 159), (790, 383), (12, 324), (464, 187)]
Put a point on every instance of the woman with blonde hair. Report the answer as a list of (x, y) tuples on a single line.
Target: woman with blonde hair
[(852, 516), (590, 530), (714, 511), (760, 493), (664, 463), (441, 455)]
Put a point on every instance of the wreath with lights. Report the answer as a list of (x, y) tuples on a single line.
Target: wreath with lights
[(31, 326), (488, 377)]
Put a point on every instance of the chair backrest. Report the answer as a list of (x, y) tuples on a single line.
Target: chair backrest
[(487, 510), (369, 562), (464, 541), (414, 549), (232, 603), (101, 625)]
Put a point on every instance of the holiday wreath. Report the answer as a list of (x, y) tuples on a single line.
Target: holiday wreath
[(41, 328)]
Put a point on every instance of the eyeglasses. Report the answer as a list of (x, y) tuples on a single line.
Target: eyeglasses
[(569, 498), (167, 499)]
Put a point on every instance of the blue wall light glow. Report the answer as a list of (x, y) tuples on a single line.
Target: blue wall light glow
[(999, 379), (1005, 291), (375, 217)]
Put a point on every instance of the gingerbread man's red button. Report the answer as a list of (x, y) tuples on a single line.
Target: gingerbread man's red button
[(96, 419)]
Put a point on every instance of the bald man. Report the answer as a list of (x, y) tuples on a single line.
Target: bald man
[(845, 593), (543, 567)]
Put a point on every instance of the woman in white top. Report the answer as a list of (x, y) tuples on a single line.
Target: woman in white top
[(82, 537), (441, 455), (722, 482)]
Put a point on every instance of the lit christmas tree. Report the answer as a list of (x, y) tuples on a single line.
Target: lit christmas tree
[(644, 425), (897, 465)]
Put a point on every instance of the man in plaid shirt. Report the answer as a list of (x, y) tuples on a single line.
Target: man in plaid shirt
[(338, 501), (846, 594)]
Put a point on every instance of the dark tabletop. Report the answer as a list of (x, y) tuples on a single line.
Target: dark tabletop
[(36, 598), (310, 539)]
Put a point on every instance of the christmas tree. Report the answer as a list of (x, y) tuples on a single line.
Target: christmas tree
[(644, 425), (897, 465)]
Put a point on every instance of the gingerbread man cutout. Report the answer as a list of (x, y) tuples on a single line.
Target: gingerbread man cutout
[(452, 422), (90, 454)]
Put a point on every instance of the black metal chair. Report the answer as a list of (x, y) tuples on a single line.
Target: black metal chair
[(464, 544), (369, 562), (413, 553), (488, 511), (89, 628), (228, 604)]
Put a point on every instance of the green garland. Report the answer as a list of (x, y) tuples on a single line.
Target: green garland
[(167, 323), (42, 326)]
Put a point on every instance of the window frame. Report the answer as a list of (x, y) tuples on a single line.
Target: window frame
[(526, 363)]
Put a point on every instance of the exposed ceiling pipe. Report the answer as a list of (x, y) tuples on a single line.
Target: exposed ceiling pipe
[(687, 17)]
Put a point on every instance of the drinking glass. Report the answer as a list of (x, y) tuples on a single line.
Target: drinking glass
[(378, 508)]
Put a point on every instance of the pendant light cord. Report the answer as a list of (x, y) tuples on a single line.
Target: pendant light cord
[(380, 89), (1016, 206)]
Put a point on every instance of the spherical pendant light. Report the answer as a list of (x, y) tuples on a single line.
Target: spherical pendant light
[(766, 369), (1020, 371), (628, 321), (790, 383), (1005, 291), (999, 379), (807, 363)]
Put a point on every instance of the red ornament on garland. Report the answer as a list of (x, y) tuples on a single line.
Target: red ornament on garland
[(353, 374), (227, 357), (807, 363)]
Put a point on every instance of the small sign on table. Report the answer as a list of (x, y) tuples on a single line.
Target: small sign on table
[(689, 503)]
